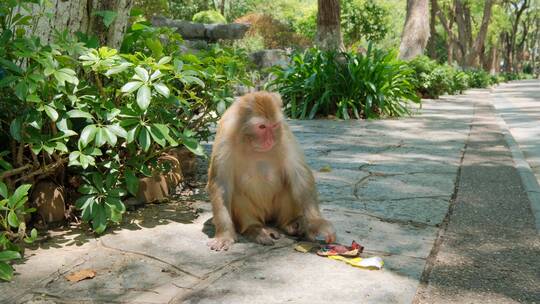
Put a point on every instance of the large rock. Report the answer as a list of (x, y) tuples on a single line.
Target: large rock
[(48, 198), (188, 161), (153, 189), (212, 32), (269, 58)]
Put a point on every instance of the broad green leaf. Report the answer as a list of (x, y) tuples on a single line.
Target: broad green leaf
[(48, 148), (6, 271), (164, 60), (11, 66), (192, 79), (99, 218), (131, 86), (154, 44), (110, 137), (132, 182), (112, 114), (15, 128), (66, 75), (165, 131), (162, 89), (157, 135), (33, 233), (3, 190), (13, 220), (144, 139), (85, 203), (33, 98), (118, 69), (51, 112), (132, 134), (87, 189), (88, 134), (100, 137), (117, 130), (79, 114), (141, 74), (97, 179), (155, 75), (60, 146), (143, 97), (20, 193), (21, 90), (9, 255), (193, 146)]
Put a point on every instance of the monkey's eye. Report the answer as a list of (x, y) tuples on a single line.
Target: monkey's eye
[(262, 127)]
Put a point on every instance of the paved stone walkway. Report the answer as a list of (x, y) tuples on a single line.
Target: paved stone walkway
[(489, 249), (390, 186), (518, 104)]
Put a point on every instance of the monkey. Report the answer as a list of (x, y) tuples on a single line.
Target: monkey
[(257, 175)]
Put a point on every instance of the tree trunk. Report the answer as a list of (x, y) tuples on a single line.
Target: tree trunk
[(328, 25), (477, 47), (519, 10), (416, 30), (432, 43), (493, 62), (79, 16), (450, 52)]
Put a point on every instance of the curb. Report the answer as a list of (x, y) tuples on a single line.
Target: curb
[(528, 179)]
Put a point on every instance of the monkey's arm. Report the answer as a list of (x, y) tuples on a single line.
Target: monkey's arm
[(220, 189)]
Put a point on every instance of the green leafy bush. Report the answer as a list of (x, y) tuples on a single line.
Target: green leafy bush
[(13, 210), (480, 79), (107, 115), (345, 84), (365, 20), (507, 76), (209, 16), (432, 79)]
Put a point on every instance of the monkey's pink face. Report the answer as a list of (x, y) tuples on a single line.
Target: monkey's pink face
[(266, 135)]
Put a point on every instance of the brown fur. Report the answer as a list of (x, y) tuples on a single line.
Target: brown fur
[(250, 189)]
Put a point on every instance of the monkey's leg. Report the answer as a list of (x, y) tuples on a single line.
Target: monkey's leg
[(262, 235), (249, 218), (289, 214)]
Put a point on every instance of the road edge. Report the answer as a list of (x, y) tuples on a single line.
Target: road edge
[(528, 179)]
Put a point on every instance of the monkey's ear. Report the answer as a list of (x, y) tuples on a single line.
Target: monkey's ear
[(276, 98)]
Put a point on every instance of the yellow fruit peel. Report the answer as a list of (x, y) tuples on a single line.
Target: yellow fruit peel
[(374, 263)]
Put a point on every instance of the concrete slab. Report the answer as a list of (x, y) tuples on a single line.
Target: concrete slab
[(388, 187)]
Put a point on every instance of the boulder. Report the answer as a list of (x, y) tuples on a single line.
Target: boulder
[(49, 200), (188, 161), (201, 31), (153, 189), (268, 58)]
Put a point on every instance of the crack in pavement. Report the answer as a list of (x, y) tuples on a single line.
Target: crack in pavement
[(102, 243), (220, 272)]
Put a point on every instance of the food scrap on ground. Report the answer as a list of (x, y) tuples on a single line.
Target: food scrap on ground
[(335, 249), (81, 275), (368, 263), (347, 254)]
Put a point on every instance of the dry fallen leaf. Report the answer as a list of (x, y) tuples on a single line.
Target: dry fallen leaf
[(325, 168), (81, 275)]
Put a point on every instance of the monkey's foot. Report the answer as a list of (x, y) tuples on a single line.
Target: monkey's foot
[(220, 243), (262, 235), (294, 228)]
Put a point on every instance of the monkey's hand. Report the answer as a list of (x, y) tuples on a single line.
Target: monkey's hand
[(221, 243), (322, 227)]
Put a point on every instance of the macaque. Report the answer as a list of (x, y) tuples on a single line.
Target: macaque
[(258, 177)]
